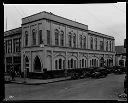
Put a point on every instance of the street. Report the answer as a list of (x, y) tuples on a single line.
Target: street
[(82, 89)]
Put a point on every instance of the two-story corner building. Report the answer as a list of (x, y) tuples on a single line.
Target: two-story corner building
[(120, 56), (12, 49), (55, 43)]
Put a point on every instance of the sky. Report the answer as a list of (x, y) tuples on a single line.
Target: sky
[(106, 18)]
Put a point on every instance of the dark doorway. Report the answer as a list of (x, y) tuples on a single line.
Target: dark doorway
[(37, 65)]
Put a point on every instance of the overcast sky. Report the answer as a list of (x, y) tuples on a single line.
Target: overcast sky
[(109, 19)]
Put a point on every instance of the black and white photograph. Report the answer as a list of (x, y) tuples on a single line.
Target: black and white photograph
[(65, 51)]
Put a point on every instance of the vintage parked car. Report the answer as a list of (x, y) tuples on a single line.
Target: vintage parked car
[(125, 84), (119, 70), (109, 69), (7, 78), (99, 73), (74, 75), (85, 74)]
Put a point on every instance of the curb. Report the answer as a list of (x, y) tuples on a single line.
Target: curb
[(39, 83)]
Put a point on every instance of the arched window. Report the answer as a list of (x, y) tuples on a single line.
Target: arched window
[(91, 43), (34, 36), (71, 63), (37, 64), (82, 63), (80, 41), (95, 43), (85, 64), (26, 38), (56, 37), (97, 63), (68, 63), (62, 38), (75, 64), (85, 42), (60, 63), (74, 40), (70, 40), (90, 63), (56, 64), (64, 64), (106, 45), (94, 62)]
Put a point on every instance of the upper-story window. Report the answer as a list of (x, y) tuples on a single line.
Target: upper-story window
[(95, 43), (101, 45), (19, 44), (70, 40), (9, 46), (91, 43), (48, 37), (40, 36), (84, 42), (6, 46), (56, 37), (106, 45), (74, 40), (62, 38), (81, 41), (34, 36), (16, 46), (110, 45), (26, 38)]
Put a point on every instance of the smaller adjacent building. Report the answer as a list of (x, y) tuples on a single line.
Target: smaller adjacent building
[(12, 49), (120, 57)]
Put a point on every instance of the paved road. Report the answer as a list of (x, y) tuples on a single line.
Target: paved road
[(85, 89)]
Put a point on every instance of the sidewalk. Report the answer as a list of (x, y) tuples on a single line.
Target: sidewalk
[(29, 81)]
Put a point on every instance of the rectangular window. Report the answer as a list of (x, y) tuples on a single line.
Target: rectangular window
[(9, 46), (74, 41), (16, 45), (81, 41), (101, 45), (40, 36), (70, 41), (110, 46), (48, 37), (19, 44), (84, 42), (91, 43), (6, 48), (34, 36)]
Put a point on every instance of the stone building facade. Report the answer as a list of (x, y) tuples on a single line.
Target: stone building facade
[(55, 43), (12, 49)]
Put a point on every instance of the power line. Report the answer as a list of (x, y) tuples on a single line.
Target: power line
[(118, 8)]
